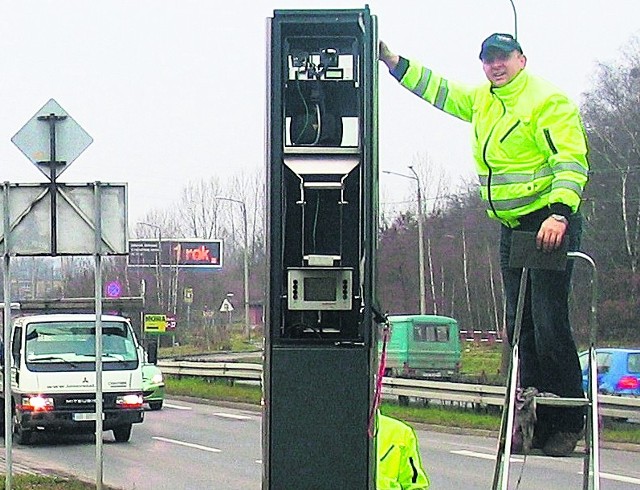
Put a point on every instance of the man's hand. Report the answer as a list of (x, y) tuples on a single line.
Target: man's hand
[(550, 234), (388, 57)]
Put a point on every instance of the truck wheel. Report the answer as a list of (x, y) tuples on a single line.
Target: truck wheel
[(122, 433), (155, 405), (21, 435)]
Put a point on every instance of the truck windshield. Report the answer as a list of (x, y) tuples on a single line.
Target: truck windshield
[(76, 341)]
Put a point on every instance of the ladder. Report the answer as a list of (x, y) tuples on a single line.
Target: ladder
[(532, 259)]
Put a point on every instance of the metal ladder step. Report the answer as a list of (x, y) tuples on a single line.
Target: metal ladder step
[(555, 401)]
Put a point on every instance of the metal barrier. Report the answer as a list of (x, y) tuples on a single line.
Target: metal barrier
[(477, 394), (234, 370)]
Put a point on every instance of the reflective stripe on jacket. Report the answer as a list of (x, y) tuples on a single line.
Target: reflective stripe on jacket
[(528, 140), (399, 462)]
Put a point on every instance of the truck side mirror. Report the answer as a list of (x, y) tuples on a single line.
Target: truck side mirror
[(152, 352)]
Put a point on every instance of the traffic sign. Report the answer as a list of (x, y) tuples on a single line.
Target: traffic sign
[(113, 289), (226, 305), (52, 138), (155, 323), (188, 295), (171, 323), (144, 252)]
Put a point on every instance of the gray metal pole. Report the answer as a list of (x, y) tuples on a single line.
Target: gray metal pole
[(246, 273), (423, 306), (247, 321), (421, 279), (8, 429), (98, 306)]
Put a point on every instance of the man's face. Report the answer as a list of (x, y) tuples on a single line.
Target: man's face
[(501, 67)]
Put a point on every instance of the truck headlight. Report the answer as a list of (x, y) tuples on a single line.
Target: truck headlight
[(129, 401), (36, 403)]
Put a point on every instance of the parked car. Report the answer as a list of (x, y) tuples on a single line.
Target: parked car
[(618, 371), (152, 386)]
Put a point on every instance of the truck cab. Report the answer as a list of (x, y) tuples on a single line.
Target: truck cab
[(53, 375)]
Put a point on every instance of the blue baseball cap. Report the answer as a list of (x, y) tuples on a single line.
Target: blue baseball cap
[(501, 42)]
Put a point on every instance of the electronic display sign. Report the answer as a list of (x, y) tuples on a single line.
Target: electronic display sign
[(190, 254), (143, 252)]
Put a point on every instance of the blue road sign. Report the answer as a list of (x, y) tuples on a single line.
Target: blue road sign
[(113, 289)]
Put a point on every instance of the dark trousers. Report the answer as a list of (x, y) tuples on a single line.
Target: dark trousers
[(548, 354)]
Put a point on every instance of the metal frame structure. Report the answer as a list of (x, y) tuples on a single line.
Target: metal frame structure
[(591, 460)]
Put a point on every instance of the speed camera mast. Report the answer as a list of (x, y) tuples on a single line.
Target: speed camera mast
[(322, 218)]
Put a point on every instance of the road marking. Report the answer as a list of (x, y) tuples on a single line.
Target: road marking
[(620, 478), (177, 407), (188, 444), (604, 476), (474, 454), (232, 416)]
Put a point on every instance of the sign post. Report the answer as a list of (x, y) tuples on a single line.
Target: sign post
[(62, 139), (228, 307), (188, 299), (96, 212)]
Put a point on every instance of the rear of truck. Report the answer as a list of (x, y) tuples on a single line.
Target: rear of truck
[(423, 347), (53, 375)]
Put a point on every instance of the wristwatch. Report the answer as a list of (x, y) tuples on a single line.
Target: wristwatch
[(559, 217)]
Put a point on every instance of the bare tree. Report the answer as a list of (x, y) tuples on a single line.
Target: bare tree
[(198, 209), (613, 125)]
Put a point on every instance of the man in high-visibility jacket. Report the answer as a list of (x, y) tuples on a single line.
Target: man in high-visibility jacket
[(399, 463), (530, 150)]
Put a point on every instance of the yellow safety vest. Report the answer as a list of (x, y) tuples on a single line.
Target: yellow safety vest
[(528, 140), (399, 462)]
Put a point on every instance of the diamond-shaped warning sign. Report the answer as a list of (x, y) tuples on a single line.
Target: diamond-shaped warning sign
[(52, 139)]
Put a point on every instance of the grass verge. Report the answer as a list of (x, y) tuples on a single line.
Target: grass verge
[(213, 390), (39, 482)]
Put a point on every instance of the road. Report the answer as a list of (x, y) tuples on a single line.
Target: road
[(196, 446)]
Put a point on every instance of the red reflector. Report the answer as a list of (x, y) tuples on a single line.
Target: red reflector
[(129, 406), (628, 383), (31, 408)]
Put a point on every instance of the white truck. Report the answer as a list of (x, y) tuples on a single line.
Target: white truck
[(53, 375)]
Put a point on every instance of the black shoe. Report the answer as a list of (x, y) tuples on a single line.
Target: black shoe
[(562, 443)]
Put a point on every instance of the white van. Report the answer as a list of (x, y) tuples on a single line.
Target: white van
[(53, 378)]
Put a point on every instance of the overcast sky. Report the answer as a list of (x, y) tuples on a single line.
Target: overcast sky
[(173, 91)]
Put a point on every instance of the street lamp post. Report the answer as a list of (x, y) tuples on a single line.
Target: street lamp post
[(246, 263), (423, 307)]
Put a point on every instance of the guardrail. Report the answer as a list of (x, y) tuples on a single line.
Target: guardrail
[(477, 394), (243, 371)]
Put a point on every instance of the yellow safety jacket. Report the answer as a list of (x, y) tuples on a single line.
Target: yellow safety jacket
[(399, 462), (528, 140)]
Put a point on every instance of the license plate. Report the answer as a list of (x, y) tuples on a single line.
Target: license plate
[(80, 417)]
